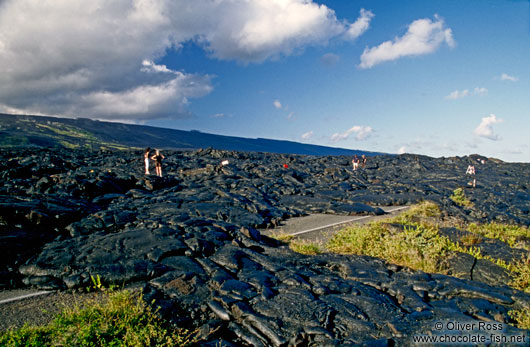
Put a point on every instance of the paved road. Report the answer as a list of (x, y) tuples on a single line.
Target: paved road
[(320, 227), (20, 294)]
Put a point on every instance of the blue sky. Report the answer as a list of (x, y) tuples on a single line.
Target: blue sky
[(439, 78)]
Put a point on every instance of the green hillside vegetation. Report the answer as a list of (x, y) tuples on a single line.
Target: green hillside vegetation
[(45, 133), (40, 131), (66, 130)]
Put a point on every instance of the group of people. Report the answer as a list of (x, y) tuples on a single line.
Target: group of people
[(355, 161), (157, 157), (470, 169)]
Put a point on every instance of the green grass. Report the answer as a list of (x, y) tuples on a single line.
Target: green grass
[(425, 211), (68, 145), (459, 198), (418, 247), (298, 245), (123, 319), (281, 235), (513, 235), (117, 146), (305, 247)]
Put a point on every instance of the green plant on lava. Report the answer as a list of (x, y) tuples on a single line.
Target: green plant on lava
[(459, 198)]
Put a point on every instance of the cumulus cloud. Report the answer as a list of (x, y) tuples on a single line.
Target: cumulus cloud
[(277, 104), (144, 100), (307, 135), (91, 58), (253, 31), (506, 77), (424, 36), (485, 128), (360, 132), (362, 24), (457, 94)]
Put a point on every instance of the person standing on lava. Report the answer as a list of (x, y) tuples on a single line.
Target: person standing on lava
[(355, 162), (146, 160), (471, 171), (157, 157)]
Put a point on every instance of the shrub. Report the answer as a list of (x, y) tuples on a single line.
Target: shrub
[(521, 277), (521, 318), (460, 198)]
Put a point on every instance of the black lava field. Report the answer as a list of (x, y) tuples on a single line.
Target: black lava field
[(191, 240)]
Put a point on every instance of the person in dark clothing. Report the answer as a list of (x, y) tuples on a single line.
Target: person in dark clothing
[(157, 157), (355, 162)]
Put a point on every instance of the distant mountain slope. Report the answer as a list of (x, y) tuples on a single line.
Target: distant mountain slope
[(18, 130)]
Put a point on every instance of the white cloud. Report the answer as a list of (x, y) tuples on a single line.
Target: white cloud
[(402, 150), (424, 36), (277, 104), (361, 133), (253, 31), (485, 129), (83, 58), (307, 135), (480, 91), (150, 66), (291, 116), (457, 94), (506, 77), (362, 24), (144, 100)]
